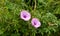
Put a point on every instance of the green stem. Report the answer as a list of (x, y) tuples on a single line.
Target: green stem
[(35, 5)]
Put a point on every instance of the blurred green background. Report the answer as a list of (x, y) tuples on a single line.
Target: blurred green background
[(47, 11)]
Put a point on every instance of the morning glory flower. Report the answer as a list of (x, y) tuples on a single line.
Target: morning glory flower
[(35, 22), (25, 15)]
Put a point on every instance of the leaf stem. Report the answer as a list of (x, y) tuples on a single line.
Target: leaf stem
[(35, 5)]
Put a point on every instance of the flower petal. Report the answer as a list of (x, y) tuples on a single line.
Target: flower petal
[(35, 22), (25, 15)]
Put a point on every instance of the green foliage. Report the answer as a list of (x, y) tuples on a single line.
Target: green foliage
[(47, 11)]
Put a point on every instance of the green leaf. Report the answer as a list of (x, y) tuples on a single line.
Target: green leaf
[(1, 32)]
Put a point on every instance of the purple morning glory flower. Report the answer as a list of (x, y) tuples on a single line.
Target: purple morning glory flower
[(35, 22), (25, 15)]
